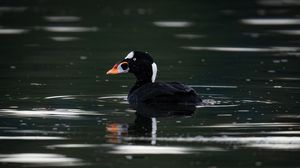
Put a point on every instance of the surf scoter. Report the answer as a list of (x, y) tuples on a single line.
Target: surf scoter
[(146, 90)]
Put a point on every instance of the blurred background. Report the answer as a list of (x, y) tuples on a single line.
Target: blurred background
[(58, 108)]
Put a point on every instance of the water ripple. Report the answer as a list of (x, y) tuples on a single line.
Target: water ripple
[(62, 18), (271, 21), (248, 125), (32, 138), (139, 149), (286, 142), (12, 31), (45, 112), (177, 24), (69, 29), (243, 49), (41, 159)]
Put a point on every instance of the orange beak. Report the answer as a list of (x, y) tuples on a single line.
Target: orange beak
[(116, 69), (113, 70)]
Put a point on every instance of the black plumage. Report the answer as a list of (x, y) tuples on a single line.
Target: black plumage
[(147, 91)]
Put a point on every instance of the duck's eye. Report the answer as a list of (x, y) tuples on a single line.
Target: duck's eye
[(134, 59), (124, 66)]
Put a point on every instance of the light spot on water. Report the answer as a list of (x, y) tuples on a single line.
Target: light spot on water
[(83, 57), (66, 29), (41, 159), (242, 49), (271, 71), (62, 18), (243, 111), (273, 21), (32, 138), (248, 125), (291, 116), (12, 31), (64, 38), (13, 9), (277, 146), (224, 115), (37, 84), (213, 86), (289, 32), (50, 113), (283, 142), (13, 67), (188, 36), (73, 146), (173, 23), (138, 149)]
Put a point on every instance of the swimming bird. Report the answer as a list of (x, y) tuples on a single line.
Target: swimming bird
[(146, 90)]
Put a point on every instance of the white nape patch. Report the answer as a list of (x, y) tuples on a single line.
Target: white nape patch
[(130, 55), (154, 72)]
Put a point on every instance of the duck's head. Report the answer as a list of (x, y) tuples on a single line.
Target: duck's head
[(139, 63)]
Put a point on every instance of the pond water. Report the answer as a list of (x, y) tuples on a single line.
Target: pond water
[(58, 108)]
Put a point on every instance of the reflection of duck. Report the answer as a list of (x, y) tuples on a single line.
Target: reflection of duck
[(145, 123), (146, 90), (142, 126)]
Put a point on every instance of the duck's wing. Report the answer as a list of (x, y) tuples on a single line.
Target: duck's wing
[(171, 92)]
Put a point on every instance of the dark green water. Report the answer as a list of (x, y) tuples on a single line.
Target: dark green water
[(58, 108)]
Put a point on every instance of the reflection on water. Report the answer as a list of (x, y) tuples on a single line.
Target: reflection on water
[(188, 36), (12, 9), (58, 108), (159, 150), (289, 32), (64, 39), (62, 18), (31, 138), (49, 112), (271, 21), (244, 49), (172, 23), (41, 159), (69, 29), (12, 31)]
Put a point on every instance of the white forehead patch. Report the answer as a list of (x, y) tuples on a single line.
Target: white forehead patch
[(130, 55)]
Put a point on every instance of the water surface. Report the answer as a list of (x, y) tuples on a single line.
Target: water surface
[(58, 108)]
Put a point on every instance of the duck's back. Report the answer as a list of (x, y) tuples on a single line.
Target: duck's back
[(162, 93)]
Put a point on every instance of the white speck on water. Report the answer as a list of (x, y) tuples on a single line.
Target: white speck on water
[(248, 80), (243, 111), (258, 163), (173, 23), (83, 57), (224, 115), (271, 71), (13, 67), (36, 84), (12, 31)]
